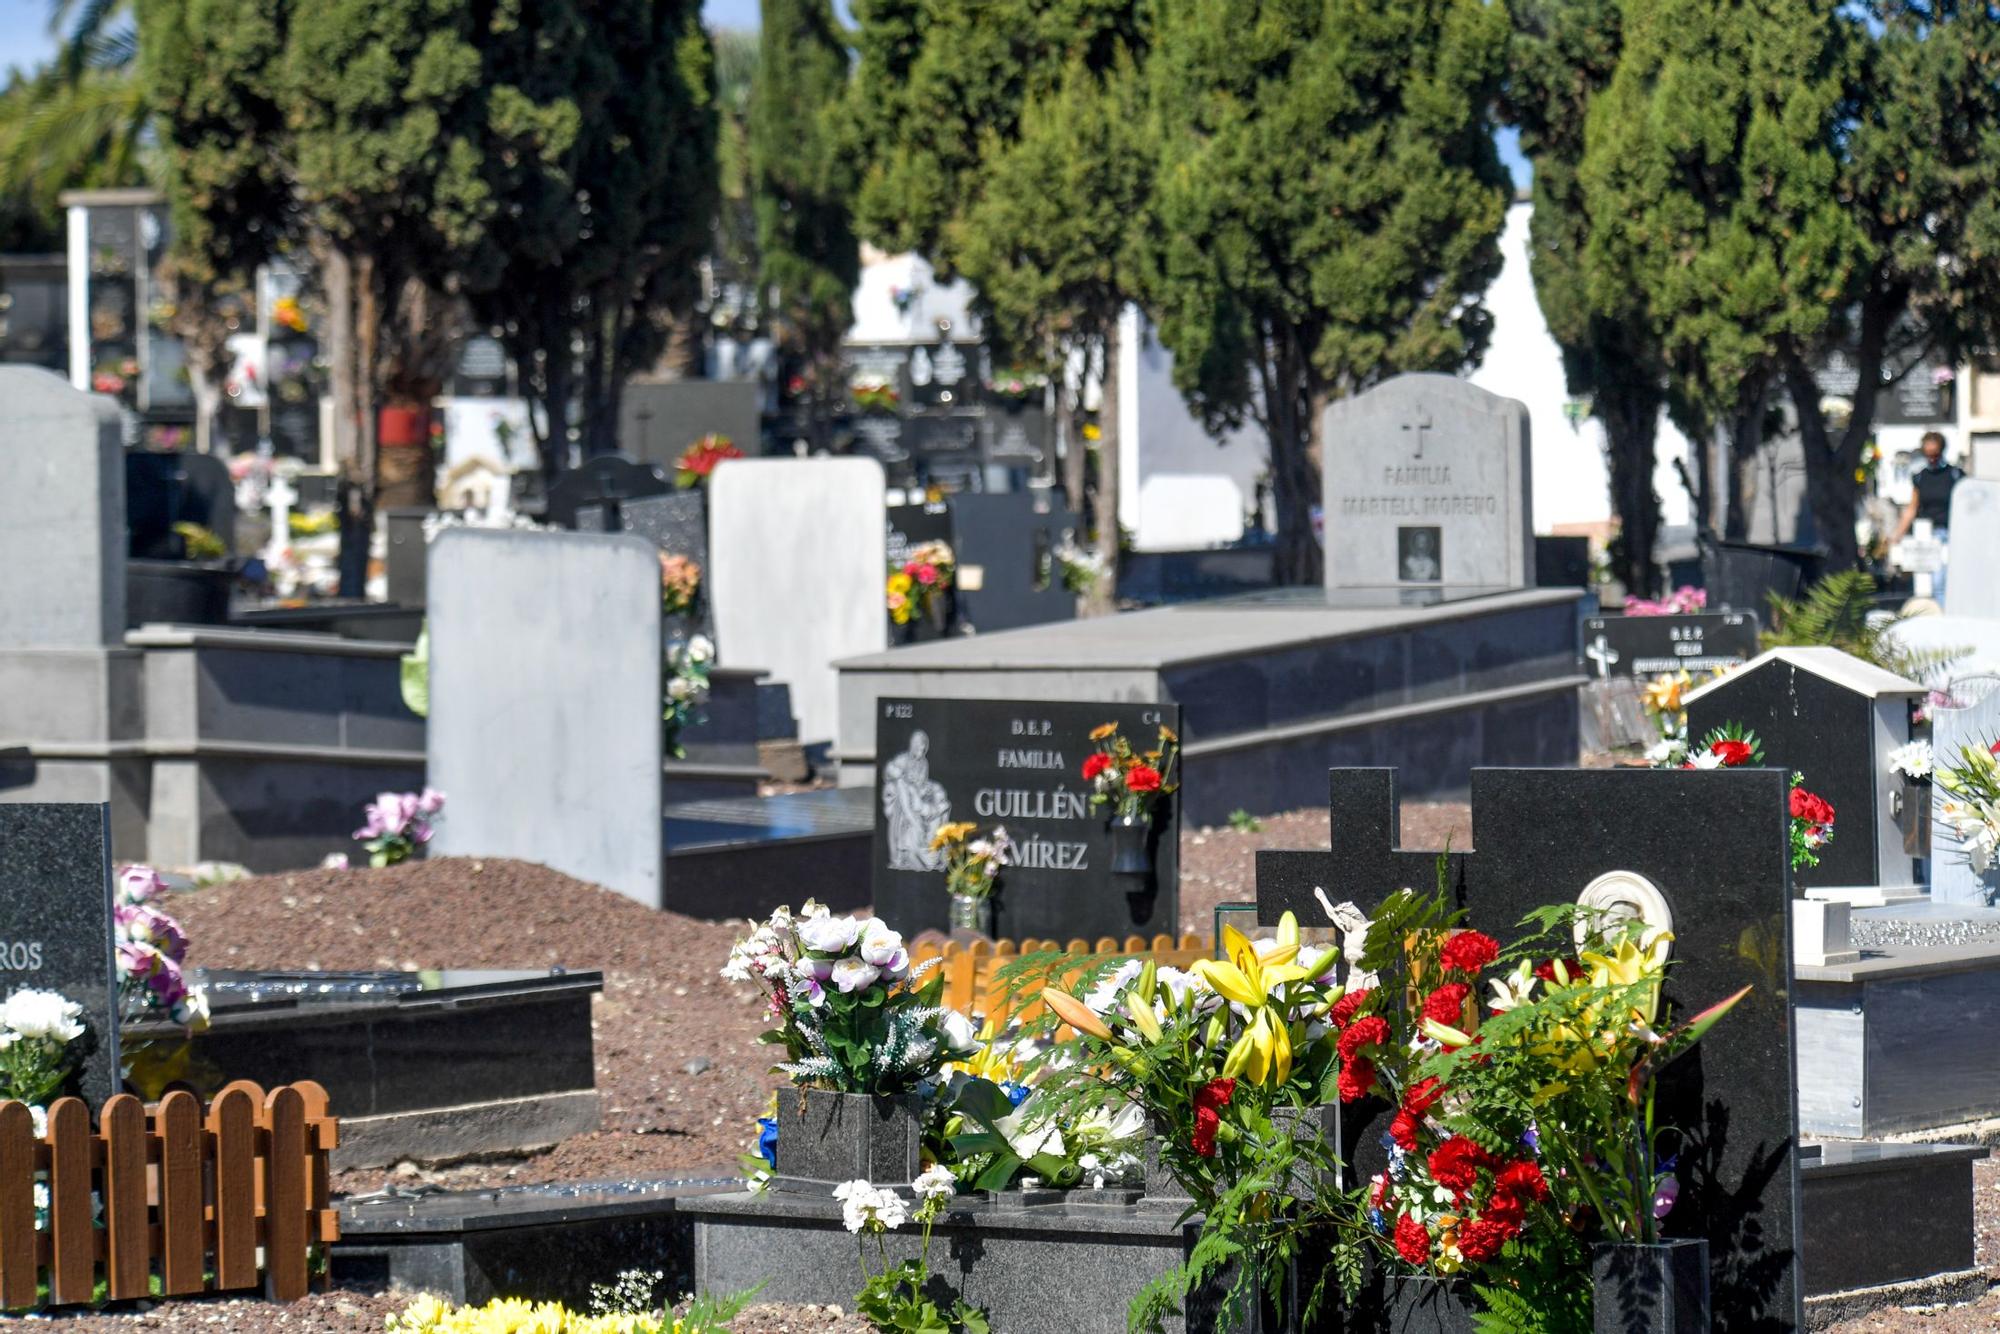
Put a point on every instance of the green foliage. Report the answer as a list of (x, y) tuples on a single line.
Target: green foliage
[(808, 259), (1243, 822), (415, 675), (1839, 612), (1328, 203), (894, 1302)]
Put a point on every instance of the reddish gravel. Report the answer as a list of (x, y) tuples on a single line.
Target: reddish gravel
[(664, 1012)]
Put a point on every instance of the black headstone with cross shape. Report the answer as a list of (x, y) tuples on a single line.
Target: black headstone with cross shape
[(56, 922), (1696, 642), (602, 482), (1709, 849)]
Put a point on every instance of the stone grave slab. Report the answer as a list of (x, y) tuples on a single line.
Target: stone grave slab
[(1427, 483), (795, 570), (1833, 718), (1978, 724), (1973, 573), (1016, 764), (1004, 542), (55, 921), (62, 515), (604, 481), (545, 702), (1699, 643), (1542, 835)]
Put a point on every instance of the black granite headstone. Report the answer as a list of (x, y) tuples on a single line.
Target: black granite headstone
[(678, 525), (944, 375), (1832, 735), (163, 489), (1009, 542), (55, 920), (1713, 844), (1700, 642), (605, 480), (1018, 436), (913, 525), (1016, 764)]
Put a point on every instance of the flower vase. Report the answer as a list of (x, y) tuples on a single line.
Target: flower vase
[(1132, 845), (1413, 1304), (1661, 1288), (825, 1138), (972, 912)]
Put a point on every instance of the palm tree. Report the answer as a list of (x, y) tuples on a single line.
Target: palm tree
[(81, 119)]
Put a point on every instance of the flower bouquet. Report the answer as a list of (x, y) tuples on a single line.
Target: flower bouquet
[(43, 1041), (680, 584), (1221, 1058), (972, 869), (1017, 385), (1732, 746), (874, 393), (1971, 806), (1131, 783), (699, 459), (686, 668), (917, 587), (398, 824), (852, 1017), (1680, 602)]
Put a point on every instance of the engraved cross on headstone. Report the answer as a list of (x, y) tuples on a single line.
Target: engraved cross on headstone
[(1601, 653), (1420, 425)]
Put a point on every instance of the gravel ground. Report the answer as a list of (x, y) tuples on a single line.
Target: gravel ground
[(676, 1061)]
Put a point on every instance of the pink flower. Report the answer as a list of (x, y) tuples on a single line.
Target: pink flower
[(139, 883)]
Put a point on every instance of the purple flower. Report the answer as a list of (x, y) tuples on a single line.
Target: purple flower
[(1665, 1193)]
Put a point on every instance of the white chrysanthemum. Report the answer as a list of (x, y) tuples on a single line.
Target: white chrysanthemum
[(1912, 761), (42, 1014)]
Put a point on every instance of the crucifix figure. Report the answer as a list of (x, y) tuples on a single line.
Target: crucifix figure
[(1601, 653), (1420, 425)]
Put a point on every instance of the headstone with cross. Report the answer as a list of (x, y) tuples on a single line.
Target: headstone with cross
[(1427, 486), (1541, 836), (1921, 554), (280, 497), (1602, 655)]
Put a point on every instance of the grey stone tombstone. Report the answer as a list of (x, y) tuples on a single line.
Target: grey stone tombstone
[(658, 419), (62, 515), (544, 729), (55, 921), (1427, 484), (1972, 585), (795, 574), (1977, 724), (1541, 836)]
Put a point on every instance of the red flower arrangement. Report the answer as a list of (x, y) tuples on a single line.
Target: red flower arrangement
[(1209, 1100), (700, 459), (1126, 778)]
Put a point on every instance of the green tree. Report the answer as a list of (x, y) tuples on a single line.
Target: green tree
[(79, 120), (1563, 54), (808, 259), (1329, 202)]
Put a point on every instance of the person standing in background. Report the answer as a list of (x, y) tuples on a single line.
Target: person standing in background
[(1930, 498)]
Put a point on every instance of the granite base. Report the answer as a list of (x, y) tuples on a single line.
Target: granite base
[(1843, 1189)]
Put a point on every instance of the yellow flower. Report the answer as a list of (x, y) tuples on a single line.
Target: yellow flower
[(900, 582), (1263, 1053), (1663, 693), (948, 834), (1167, 736), (1103, 730)]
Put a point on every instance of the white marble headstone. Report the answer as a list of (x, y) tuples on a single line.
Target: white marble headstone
[(1973, 558), (797, 558), (544, 729), (1978, 724), (1427, 484)]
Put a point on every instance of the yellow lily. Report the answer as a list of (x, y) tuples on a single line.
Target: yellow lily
[(1264, 1053), (1244, 977), (1074, 1013), (1628, 966)]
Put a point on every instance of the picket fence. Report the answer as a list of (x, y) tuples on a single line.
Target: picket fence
[(189, 1196), (973, 984)]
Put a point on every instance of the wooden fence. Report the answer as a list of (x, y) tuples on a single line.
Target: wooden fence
[(166, 1199), (972, 971)]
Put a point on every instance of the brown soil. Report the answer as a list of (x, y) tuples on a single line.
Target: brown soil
[(676, 1062)]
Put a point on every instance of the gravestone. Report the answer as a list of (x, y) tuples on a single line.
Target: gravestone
[(1972, 571), (1427, 483), (657, 420), (162, 490), (545, 702), (913, 525), (1977, 724), (795, 570), (604, 481), (677, 525), (62, 515), (1833, 718), (55, 921), (1541, 836), (1699, 643), (1006, 575), (1017, 764)]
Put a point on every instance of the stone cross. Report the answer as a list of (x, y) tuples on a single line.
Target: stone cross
[(280, 497), (1601, 653), (1922, 554)]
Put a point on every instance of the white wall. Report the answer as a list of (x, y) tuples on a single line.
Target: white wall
[(1571, 483)]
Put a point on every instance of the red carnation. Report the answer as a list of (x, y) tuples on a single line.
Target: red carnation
[(1731, 753), (1143, 778), (1456, 1162), (1344, 1008), (1356, 1076), (1209, 1099), (1546, 970), (1481, 1239), (1812, 809), (1447, 1004), (1469, 951), (1403, 1130), (1421, 1096), (1523, 1178), (1215, 1093), (1368, 1031), (1094, 765), (1413, 1243)]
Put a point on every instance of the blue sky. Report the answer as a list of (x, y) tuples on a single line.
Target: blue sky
[(25, 41)]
